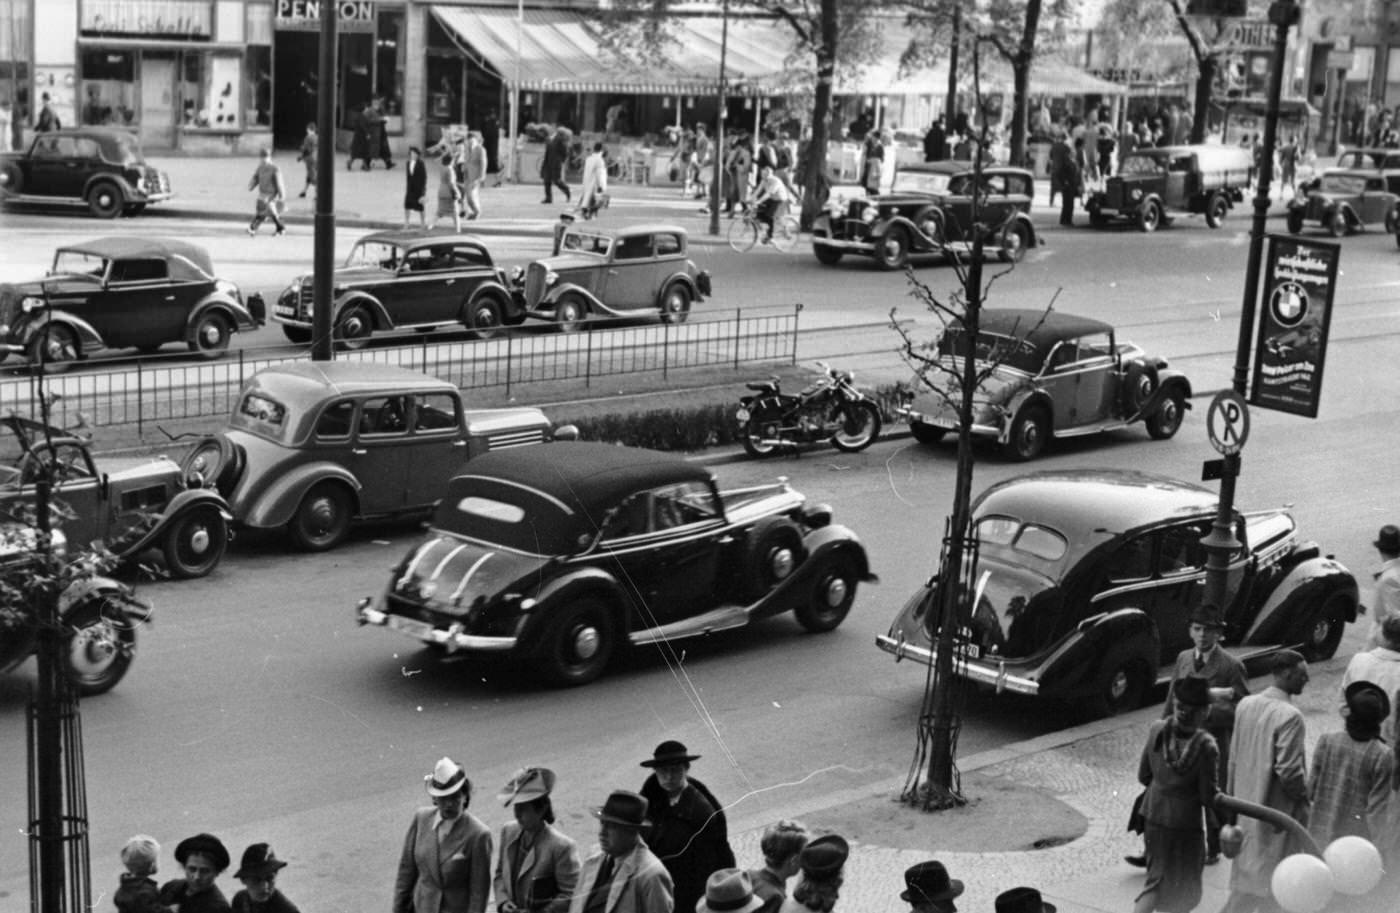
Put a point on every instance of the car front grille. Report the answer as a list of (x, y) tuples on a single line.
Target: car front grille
[(534, 284), (1113, 195), (306, 297)]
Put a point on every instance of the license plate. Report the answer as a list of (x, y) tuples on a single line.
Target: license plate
[(742, 415), (284, 311), (411, 626), (968, 651)]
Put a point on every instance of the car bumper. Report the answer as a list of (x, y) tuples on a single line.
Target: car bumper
[(452, 639), (973, 670), (980, 429)]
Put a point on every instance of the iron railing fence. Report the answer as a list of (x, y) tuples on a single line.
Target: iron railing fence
[(145, 390)]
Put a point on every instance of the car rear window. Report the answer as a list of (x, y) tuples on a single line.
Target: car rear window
[(266, 412), (991, 347), (1031, 538), (509, 515)]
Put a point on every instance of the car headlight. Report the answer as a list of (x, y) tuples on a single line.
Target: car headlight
[(30, 303), (869, 214), (517, 274), (834, 209), (1136, 194), (228, 288), (551, 277)]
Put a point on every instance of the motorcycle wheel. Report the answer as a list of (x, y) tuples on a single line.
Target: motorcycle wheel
[(759, 435), (859, 428), (99, 648)]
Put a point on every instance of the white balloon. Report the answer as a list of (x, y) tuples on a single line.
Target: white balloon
[(1355, 863), (1302, 883)]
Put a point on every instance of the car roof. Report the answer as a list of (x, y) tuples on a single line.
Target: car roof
[(129, 247), (624, 231), (958, 166), (1088, 505), (1040, 328), (316, 379), (589, 477), (415, 238)]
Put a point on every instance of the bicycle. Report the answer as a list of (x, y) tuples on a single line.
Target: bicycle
[(745, 231)]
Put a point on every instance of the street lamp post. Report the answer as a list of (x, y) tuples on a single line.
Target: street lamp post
[(323, 254), (718, 171)]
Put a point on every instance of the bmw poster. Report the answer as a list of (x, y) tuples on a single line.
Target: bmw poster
[(1297, 311)]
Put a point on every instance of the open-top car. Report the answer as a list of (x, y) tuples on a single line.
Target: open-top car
[(637, 271), (312, 446), (1085, 582), (130, 508), (929, 211), (1046, 375), (397, 280), (559, 556), (123, 292), (100, 167), (1345, 201)]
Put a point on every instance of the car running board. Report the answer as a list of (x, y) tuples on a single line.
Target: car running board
[(1243, 654), (721, 619)]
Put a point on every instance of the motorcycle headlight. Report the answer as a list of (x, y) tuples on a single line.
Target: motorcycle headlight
[(551, 277), (869, 214), (1136, 194), (30, 303)]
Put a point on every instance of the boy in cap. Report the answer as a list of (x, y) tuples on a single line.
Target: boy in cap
[(139, 892), (258, 872)]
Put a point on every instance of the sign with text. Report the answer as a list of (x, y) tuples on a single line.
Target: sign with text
[(1300, 280), (148, 18), (305, 15)]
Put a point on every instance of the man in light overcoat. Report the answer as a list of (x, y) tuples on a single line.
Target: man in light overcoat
[(625, 877)]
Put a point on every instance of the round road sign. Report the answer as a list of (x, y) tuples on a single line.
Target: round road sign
[(1227, 422)]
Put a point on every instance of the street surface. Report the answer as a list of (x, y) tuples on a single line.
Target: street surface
[(257, 710)]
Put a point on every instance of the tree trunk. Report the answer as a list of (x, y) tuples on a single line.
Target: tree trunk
[(951, 107), (814, 181), (1205, 81), (1021, 82)]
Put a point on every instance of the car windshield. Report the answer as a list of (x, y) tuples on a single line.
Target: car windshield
[(127, 150), (920, 182), (79, 263), (1142, 164), (1342, 183), (585, 242), (992, 347), (375, 254)]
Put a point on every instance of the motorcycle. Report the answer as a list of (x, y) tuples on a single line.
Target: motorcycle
[(830, 408), (99, 617)]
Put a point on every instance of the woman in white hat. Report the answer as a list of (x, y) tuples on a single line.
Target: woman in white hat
[(446, 861), (538, 866)]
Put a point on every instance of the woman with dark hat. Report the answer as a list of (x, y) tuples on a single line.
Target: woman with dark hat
[(203, 858), (689, 833), (258, 872), (1178, 767), (1351, 771), (538, 866), (445, 866), (821, 862)]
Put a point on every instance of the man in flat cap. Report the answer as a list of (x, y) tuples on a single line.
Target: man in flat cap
[(689, 832), (625, 877)]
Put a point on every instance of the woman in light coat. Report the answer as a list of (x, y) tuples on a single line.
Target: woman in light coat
[(595, 182), (537, 870)]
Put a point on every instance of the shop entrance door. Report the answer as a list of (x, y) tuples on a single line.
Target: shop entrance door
[(157, 101)]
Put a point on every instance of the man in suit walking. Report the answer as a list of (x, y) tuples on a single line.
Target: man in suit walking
[(625, 877), (446, 862)]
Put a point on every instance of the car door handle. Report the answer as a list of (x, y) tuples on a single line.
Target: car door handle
[(357, 451), (726, 540), (450, 281), (612, 272), (169, 297), (459, 443)]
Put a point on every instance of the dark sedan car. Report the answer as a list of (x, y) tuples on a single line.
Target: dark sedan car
[(559, 556), (100, 167), (640, 270), (1345, 201), (1086, 579), (929, 210), (394, 280), (119, 293), (1045, 375)]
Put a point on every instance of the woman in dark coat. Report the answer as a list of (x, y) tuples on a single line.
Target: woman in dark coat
[(1178, 767), (689, 833)]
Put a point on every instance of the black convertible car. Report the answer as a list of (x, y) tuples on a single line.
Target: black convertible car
[(558, 556), (1085, 581)]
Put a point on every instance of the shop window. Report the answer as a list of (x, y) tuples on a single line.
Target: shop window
[(390, 49), (209, 90), (109, 87), (257, 67)]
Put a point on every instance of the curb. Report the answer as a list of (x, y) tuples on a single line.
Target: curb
[(348, 221)]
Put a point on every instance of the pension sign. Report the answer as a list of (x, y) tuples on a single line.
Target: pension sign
[(305, 15)]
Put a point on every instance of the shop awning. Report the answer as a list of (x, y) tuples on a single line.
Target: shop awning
[(560, 51)]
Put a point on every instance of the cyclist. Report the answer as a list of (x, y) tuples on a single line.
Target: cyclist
[(770, 196)]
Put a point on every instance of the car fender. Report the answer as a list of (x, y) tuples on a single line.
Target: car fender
[(559, 590), (241, 318), (919, 240), (1020, 218), (377, 312), (81, 592), (184, 501), (1073, 664), (1348, 213), (1301, 591), (1030, 395), (88, 337), (495, 290), (127, 190), (1168, 382), (684, 279), (275, 504), (551, 297), (834, 539)]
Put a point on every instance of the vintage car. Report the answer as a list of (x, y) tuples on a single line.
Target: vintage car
[(637, 271), (311, 446), (1386, 162), (1345, 201), (1086, 579), (559, 556), (99, 167), (397, 280), (929, 210), (1153, 182), (123, 292), (1047, 374), (1300, 343), (128, 509)]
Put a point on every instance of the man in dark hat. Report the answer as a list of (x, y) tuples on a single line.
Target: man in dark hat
[(203, 858), (1387, 601), (928, 889), (689, 832), (1022, 900), (258, 872), (625, 877)]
